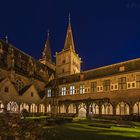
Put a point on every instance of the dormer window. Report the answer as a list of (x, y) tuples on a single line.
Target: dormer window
[(32, 94), (6, 89)]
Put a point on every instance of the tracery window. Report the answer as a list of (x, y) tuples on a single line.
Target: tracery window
[(19, 84)]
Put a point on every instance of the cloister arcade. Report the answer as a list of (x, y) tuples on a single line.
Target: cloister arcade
[(81, 108), (106, 108)]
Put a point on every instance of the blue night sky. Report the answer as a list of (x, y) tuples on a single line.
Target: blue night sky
[(104, 31)]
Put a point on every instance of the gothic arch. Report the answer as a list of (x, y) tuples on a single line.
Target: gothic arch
[(33, 108), (136, 108), (12, 107), (62, 108), (49, 108), (94, 108), (107, 109), (122, 108), (24, 106), (72, 108), (1, 107), (41, 108), (82, 110)]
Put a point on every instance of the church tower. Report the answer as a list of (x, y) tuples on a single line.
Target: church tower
[(46, 58), (67, 61)]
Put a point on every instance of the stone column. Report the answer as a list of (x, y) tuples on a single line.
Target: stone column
[(114, 108), (130, 109), (87, 110), (100, 109), (77, 105)]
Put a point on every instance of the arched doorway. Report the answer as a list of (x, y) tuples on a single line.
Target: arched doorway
[(12, 107), (48, 108), (41, 108), (122, 108), (136, 108), (62, 108), (82, 110), (33, 108)]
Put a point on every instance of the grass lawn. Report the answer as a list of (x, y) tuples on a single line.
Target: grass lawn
[(79, 130)]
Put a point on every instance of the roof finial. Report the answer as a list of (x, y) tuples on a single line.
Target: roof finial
[(6, 39), (69, 18)]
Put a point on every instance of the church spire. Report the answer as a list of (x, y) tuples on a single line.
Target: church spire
[(69, 43), (47, 50)]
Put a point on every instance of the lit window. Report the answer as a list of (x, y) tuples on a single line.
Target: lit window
[(128, 85), (138, 81), (63, 91), (49, 92), (82, 89), (72, 90), (133, 84), (94, 86), (106, 85), (122, 83)]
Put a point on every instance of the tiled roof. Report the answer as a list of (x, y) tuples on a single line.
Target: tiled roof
[(24, 89), (131, 65), (21, 65)]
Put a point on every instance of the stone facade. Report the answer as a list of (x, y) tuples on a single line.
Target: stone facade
[(45, 87)]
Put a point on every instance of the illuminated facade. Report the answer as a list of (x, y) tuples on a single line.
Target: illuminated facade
[(45, 87)]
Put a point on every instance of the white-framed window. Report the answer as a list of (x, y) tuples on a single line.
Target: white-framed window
[(49, 91), (63, 91), (82, 89), (72, 90)]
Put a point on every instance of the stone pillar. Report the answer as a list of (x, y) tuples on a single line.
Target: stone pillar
[(54, 109), (87, 110), (114, 108), (67, 107), (45, 108), (130, 109), (38, 111), (77, 105), (100, 109), (29, 108)]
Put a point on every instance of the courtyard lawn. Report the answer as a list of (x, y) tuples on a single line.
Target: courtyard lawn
[(80, 130)]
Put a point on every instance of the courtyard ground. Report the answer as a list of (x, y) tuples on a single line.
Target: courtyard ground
[(44, 128), (93, 130)]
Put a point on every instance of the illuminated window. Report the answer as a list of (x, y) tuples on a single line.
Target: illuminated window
[(82, 89), (122, 83), (63, 91), (138, 80), (128, 85), (19, 84), (106, 85), (94, 86), (72, 90), (133, 84), (49, 92)]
